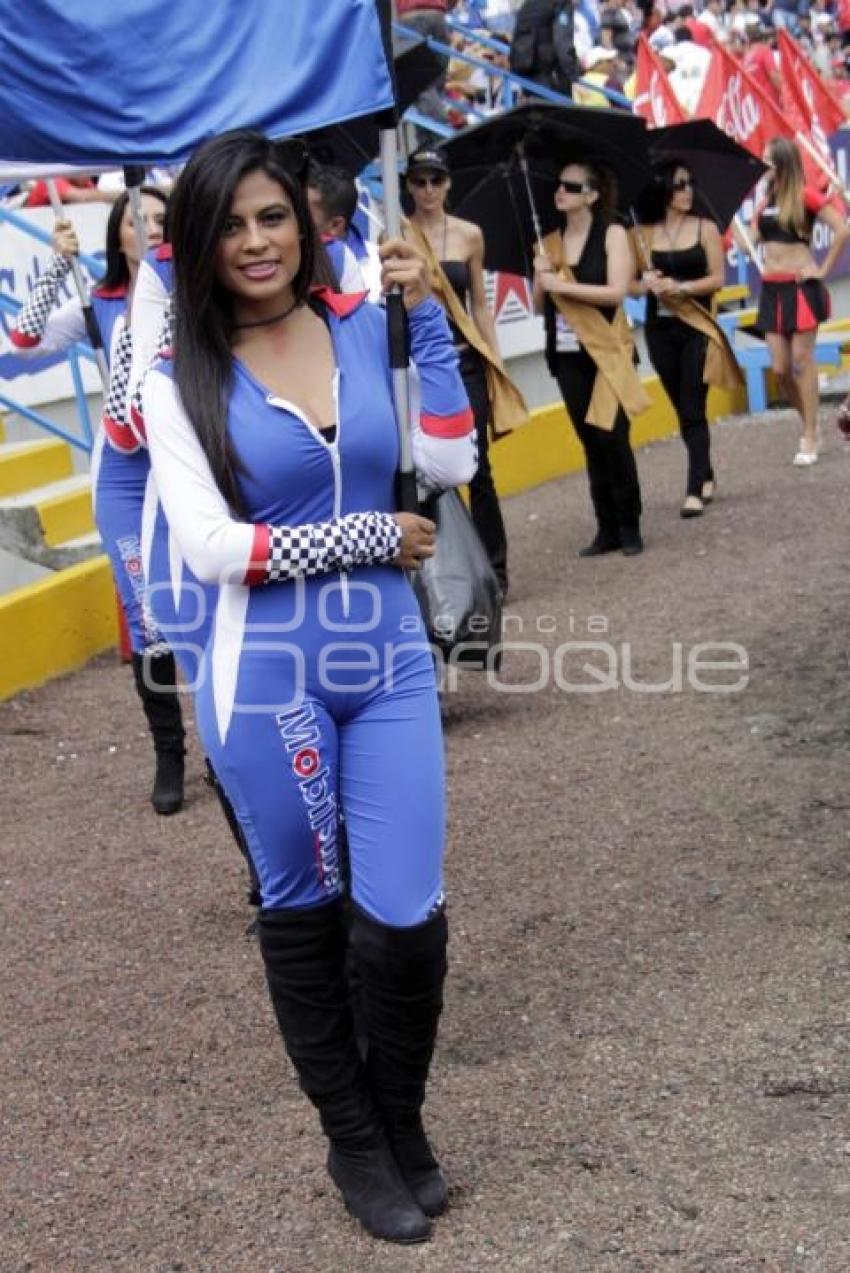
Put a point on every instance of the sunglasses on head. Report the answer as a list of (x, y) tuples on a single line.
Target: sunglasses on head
[(571, 187), (429, 179), (684, 183)]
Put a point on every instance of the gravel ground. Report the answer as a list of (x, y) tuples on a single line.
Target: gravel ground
[(644, 1065)]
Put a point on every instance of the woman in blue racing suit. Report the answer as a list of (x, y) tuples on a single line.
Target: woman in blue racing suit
[(274, 446), (119, 480)]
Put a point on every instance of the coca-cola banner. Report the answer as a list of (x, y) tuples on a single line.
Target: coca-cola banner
[(737, 105), (809, 103), (655, 100)]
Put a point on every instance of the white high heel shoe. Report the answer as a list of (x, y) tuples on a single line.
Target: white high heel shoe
[(805, 458)]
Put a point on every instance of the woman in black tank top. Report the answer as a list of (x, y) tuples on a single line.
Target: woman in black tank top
[(794, 299), (459, 247), (686, 258), (597, 251)]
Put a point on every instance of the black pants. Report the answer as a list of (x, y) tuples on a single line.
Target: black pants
[(484, 502), (678, 355), (611, 468)]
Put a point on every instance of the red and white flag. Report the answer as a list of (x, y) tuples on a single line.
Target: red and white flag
[(737, 105), (655, 100), (810, 105)]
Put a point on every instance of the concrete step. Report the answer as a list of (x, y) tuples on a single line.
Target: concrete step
[(72, 551), (24, 465), (46, 518)]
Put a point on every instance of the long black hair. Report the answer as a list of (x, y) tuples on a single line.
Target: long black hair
[(117, 270), (203, 309), (654, 200)]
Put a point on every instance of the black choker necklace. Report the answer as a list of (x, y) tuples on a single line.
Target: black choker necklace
[(267, 322)]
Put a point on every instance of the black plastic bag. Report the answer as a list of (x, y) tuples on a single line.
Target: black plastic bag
[(457, 590)]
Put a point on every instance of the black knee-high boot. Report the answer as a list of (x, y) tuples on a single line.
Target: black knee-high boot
[(304, 953), (155, 675), (401, 985)]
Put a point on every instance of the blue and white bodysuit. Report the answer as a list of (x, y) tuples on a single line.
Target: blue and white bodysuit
[(317, 685), (178, 603)]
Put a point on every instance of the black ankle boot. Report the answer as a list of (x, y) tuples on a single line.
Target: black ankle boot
[(304, 953), (155, 675), (631, 541), (601, 544), (401, 977)]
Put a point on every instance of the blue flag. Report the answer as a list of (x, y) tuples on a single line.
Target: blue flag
[(144, 81)]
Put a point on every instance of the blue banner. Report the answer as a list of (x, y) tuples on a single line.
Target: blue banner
[(144, 81)]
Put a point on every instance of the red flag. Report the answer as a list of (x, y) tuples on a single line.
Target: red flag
[(655, 100), (737, 105), (801, 80), (812, 107)]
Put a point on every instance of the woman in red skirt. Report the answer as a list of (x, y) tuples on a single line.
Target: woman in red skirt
[(794, 300)]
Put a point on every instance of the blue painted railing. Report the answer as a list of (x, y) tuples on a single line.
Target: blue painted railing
[(22, 223), (84, 439), (529, 87)]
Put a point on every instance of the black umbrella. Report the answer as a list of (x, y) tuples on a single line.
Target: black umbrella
[(353, 145), (724, 173), (505, 171)]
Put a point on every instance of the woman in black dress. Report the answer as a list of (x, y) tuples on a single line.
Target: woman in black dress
[(685, 262)]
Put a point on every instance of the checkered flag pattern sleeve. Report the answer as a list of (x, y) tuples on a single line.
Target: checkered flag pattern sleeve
[(164, 344), (35, 311), (359, 539), (119, 379)]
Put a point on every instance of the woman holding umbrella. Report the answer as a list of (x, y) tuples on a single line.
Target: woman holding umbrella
[(683, 266), (582, 274), (794, 300), (454, 249)]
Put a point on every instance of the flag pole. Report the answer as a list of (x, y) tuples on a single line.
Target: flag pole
[(92, 328), (134, 179), (397, 329), (744, 235), (397, 326)]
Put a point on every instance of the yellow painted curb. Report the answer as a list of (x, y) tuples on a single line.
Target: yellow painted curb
[(548, 448), (66, 517), (34, 465), (56, 625)]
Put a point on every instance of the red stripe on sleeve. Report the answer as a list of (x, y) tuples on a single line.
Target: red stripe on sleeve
[(137, 424), (257, 566), (120, 436), (448, 426), (21, 341)]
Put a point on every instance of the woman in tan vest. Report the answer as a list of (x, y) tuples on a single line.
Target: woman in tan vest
[(580, 280), (458, 248)]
